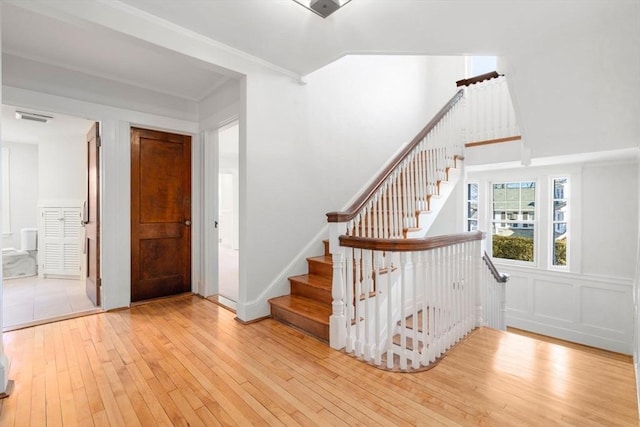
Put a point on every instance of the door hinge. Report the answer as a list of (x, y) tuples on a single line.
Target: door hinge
[(98, 141), (99, 282)]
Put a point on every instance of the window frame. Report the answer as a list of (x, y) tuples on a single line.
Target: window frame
[(552, 222)]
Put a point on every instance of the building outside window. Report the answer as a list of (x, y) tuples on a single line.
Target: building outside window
[(472, 207), (560, 219), (514, 220)]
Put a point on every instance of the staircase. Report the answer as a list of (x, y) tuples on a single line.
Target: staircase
[(308, 307)]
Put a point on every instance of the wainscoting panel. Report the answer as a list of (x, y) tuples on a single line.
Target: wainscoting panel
[(553, 300), (591, 310)]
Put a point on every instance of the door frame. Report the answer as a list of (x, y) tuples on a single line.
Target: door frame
[(211, 145)]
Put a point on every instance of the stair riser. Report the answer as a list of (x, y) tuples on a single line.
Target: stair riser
[(311, 292), (320, 268), (314, 328)]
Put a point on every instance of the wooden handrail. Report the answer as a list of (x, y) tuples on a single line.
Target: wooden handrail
[(409, 245), (478, 79), (500, 277), (366, 195)]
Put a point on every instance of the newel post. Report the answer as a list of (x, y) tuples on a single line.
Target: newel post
[(338, 319)]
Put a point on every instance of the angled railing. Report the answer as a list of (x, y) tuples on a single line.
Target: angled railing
[(391, 205), (493, 295)]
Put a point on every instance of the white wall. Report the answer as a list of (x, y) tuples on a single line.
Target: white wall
[(311, 148), (63, 168), (23, 190), (610, 224), (40, 77), (579, 92)]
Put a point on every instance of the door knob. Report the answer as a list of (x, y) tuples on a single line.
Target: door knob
[(187, 223)]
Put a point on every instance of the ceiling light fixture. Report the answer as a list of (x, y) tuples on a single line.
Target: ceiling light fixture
[(322, 8), (34, 117)]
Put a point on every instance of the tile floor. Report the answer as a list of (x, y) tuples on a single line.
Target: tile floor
[(31, 299)]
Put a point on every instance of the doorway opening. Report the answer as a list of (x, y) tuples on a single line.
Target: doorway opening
[(44, 186), (228, 214)]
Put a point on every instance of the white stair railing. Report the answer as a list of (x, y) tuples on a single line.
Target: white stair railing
[(494, 290), (408, 301), (377, 289), (391, 205), (491, 115)]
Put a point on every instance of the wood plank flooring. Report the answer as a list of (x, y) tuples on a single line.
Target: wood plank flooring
[(187, 362)]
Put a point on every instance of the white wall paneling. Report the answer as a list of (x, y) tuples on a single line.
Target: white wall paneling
[(592, 310)]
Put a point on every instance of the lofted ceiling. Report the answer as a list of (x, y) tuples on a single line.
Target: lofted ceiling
[(584, 52), (285, 34)]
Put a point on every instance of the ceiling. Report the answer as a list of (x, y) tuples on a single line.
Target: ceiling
[(107, 54), (574, 38), (28, 132), (286, 34)]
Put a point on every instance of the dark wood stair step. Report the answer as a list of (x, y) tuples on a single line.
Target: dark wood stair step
[(312, 286), (303, 313)]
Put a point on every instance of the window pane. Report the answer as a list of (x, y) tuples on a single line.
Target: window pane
[(472, 225), (472, 191), (560, 224), (559, 188), (560, 251), (472, 210), (514, 216), (514, 241)]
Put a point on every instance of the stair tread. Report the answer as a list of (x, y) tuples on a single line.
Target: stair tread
[(306, 307), (322, 258), (313, 280)]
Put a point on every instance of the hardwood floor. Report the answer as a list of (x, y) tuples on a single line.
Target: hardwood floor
[(186, 361)]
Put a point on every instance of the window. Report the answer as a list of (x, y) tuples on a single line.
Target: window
[(514, 220), (472, 207), (559, 221)]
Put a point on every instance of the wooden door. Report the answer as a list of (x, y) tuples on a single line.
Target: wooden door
[(160, 214), (91, 215)]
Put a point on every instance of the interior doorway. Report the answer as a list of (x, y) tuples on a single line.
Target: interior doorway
[(44, 183), (228, 214)]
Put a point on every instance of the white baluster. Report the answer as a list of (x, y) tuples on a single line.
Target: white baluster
[(390, 326), (351, 316), (377, 268)]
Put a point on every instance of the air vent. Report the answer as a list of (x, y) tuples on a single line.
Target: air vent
[(324, 8), (34, 117)]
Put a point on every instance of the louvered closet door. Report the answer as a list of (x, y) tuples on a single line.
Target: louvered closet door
[(60, 241)]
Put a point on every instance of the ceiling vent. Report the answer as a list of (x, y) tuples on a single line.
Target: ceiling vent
[(323, 8), (34, 117)]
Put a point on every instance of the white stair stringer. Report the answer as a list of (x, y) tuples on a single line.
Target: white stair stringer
[(427, 218)]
